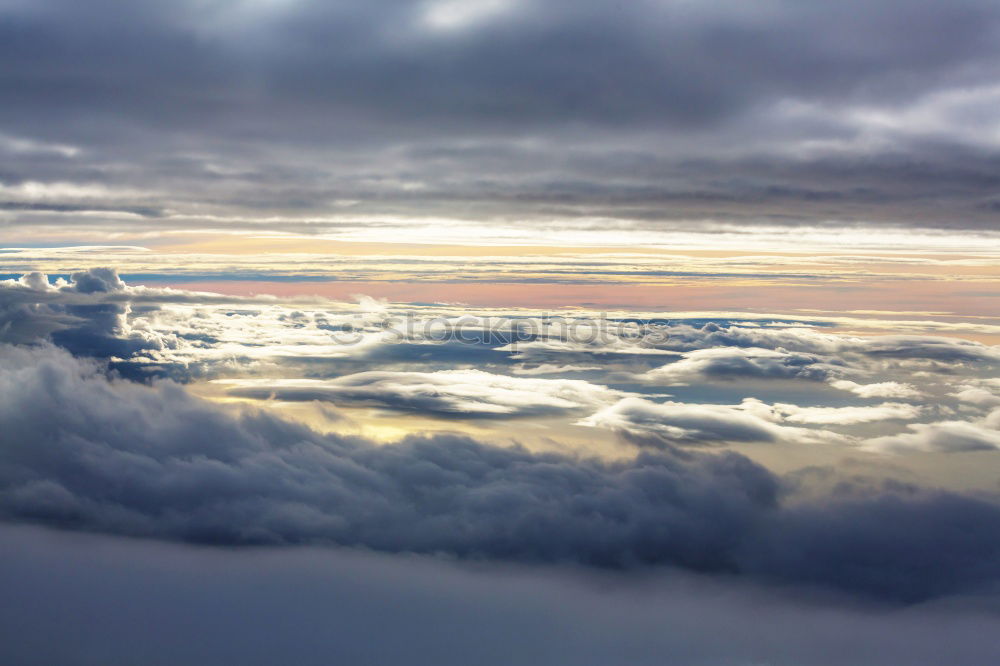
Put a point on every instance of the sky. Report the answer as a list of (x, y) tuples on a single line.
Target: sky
[(499, 331)]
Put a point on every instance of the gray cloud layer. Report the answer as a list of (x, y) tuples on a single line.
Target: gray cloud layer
[(82, 452), (854, 111), (114, 601)]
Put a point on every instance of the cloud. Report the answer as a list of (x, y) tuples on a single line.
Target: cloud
[(75, 314), (127, 599), (493, 110), (896, 390), (550, 369), (94, 312), (981, 392), (84, 452), (791, 337), (739, 363), (469, 393), (844, 416), (530, 34), (942, 437), (378, 355), (113, 456), (674, 423), (180, 333), (932, 348), (587, 339)]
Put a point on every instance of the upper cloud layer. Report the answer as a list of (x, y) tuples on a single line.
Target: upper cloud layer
[(331, 118)]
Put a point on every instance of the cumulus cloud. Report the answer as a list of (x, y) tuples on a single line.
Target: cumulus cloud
[(898, 390), (783, 412), (74, 313), (470, 393), (977, 396), (741, 363), (791, 337), (95, 313), (550, 369), (931, 348), (799, 339), (180, 333), (980, 392), (379, 355), (86, 452), (675, 423), (597, 341), (942, 437)]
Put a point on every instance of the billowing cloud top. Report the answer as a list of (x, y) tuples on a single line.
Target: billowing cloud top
[(84, 452)]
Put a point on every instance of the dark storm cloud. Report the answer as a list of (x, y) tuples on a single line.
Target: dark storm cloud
[(82, 452), (505, 109)]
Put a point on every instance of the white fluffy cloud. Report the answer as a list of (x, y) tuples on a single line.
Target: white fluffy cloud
[(897, 390), (675, 423), (831, 416), (741, 363), (452, 362), (941, 437), (980, 392), (472, 393)]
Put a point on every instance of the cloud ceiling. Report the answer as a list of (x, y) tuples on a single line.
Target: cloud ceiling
[(289, 116)]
